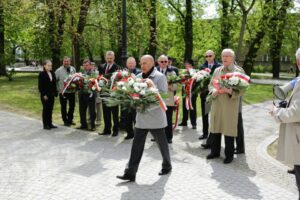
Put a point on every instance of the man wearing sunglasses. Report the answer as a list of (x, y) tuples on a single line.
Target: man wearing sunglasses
[(212, 64)]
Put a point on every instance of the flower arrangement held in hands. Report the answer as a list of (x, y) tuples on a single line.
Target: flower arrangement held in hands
[(134, 93)]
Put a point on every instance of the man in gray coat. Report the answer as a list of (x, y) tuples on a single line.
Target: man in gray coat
[(153, 120), (289, 131)]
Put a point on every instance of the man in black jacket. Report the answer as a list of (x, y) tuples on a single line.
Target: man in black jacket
[(212, 64), (107, 69)]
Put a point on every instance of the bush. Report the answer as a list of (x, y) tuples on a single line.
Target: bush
[(262, 69)]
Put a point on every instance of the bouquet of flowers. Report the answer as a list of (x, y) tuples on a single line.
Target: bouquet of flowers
[(134, 93), (96, 84), (236, 80), (118, 76), (73, 83)]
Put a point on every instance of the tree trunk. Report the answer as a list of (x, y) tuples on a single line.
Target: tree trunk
[(188, 31), (153, 29), (277, 36), (256, 42), (225, 25), (2, 55), (241, 37), (80, 28)]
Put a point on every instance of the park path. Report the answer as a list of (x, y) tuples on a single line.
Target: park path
[(65, 163)]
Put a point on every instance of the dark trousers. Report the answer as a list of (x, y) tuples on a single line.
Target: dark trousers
[(129, 121), (193, 113), (67, 117), (107, 112), (240, 144), (297, 173), (87, 101), (47, 110), (216, 145), (138, 145), (205, 123), (169, 128)]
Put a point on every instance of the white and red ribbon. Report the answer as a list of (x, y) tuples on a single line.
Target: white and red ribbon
[(76, 75)]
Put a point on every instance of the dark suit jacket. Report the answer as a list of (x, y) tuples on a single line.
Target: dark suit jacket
[(215, 66), (102, 69), (47, 87), (168, 70)]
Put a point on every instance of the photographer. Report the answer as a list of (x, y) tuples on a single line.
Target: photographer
[(289, 131)]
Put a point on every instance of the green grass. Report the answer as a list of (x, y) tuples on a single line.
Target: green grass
[(21, 95)]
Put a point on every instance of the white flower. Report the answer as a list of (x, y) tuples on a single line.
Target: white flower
[(199, 77), (94, 87), (143, 85), (244, 83), (233, 80), (120, 83), (124, 88), (101, 83), (136, 84), (130, 81), (152, 89), (124, 73), (136, 89), (138, 80), (191, 71), (142, 92)]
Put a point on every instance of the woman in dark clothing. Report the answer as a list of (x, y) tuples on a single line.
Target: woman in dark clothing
[(47, 88)]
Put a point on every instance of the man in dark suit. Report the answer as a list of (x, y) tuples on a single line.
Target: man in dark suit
[(107, 69), (212, 64)]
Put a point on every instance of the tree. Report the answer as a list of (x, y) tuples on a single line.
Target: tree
[(2, 53), (245, 11), (80, 28), (276, 27), (187, 24), (152, 29)]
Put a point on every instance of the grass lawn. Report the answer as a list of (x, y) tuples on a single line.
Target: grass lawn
[(22, 96)]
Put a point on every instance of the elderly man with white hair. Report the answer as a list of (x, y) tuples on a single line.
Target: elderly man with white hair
[(289, 131), (224, 109)]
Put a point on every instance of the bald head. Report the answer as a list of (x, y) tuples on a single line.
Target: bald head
[(147, 62), (131, 63)]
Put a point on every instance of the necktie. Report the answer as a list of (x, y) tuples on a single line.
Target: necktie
[(107, 69)]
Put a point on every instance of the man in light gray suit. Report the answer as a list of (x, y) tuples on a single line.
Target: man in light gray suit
[(153, 120)]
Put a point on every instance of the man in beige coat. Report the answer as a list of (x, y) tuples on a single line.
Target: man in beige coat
[(224, 109), (289, 131)]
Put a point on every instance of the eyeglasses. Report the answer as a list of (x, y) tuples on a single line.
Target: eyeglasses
[(163, 61), (208, 56)]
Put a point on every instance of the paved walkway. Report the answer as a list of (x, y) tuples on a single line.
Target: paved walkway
[(71, 164)]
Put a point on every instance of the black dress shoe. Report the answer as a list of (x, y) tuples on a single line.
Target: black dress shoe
[(104, 133), (128, 137), (67, 124), (212, 156), (82, 127), (238, 152), (72, 123), (164, 171), (182, 124), (52, 126), (228, 160), (202, 137), (291, 171), (127, 177), (205, 146), (115, 134), (194, 127), (47, 127), (170, 141)]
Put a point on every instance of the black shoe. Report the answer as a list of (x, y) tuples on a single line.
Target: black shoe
[(93, 129), (72, 123), (82, 128), (205, 146), (128, 137), (115, 134), (238, 152), (104, 133), (152, 140), (202, 137), (164, 171), (67, 124), (228, 160), (170, 141), (194, 127), (52, 126), (291, 171), (127, 177), (212, 156), (182, 124), (47, 127)]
